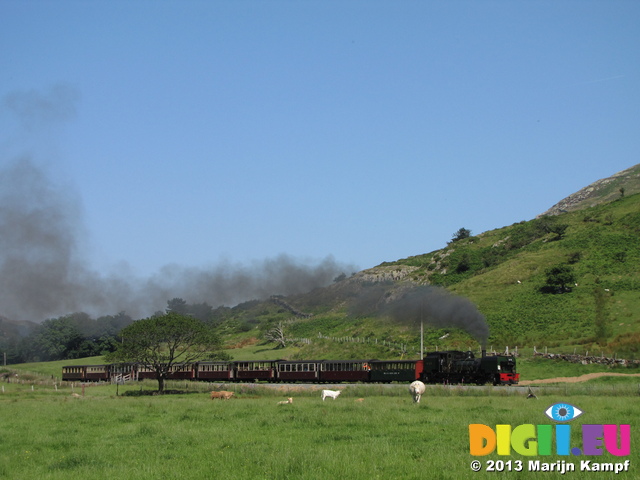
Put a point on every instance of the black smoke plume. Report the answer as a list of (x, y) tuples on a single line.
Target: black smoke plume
[(43, 272), (433, 305)]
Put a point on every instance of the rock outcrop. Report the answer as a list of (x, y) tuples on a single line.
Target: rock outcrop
[(602, 191)]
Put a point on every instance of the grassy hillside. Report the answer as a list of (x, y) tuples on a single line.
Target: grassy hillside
[(504, 272), (507, 276)]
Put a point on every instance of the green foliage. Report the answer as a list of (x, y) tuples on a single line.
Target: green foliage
[(201, 311), (160, 342), (57, 338), (461, 234), (504, 272), (560, 279), (70, 336)]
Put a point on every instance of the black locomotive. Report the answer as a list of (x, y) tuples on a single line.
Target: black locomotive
[(447, 367), (454, 366)]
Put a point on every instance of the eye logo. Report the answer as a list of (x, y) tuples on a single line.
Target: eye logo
[(562, 412)]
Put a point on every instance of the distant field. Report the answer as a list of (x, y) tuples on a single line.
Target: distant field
[(49, 434)]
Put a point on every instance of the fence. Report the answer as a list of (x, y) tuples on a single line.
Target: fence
[(399, 346), (121, 379), (586, 359)]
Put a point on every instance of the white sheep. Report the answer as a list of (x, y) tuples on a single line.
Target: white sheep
[(417, 388), (330, 393)]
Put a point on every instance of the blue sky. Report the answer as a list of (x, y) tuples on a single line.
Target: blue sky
[(201, 132)]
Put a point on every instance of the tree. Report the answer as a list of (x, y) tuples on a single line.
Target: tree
[(276, 334), (559, 229), (464, 264), (559, 279), (177, 305), (57, 339), (461, 234), (161, 342)]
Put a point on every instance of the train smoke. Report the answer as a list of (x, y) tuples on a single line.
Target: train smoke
[(436, 306), (43, 272)]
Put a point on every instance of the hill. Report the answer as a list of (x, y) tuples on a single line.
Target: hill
[(511, 274), (565, 280), (626, 182)]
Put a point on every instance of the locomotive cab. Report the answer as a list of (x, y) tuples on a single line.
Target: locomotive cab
[(500, 369)]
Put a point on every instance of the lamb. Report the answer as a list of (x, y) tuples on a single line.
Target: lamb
[(286, 402), (417, 388), (222, 394), (330, 393)]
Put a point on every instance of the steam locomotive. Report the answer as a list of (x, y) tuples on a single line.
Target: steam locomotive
[(446, 367), (453, 366)]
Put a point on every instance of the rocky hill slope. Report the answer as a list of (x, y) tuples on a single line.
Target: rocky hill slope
[(626, 182)]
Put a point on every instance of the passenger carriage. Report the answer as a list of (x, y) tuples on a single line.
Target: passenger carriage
[(344, 371), (386, 371), (145, 372), (121, 372), (97, 373), (123, 369), (73, 373), (214, 371), (181, 371), (297, 370), (256, 370), (86, 373)]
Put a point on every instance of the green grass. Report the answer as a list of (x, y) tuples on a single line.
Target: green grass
[(536, 368), (505, 270), (51, 435)]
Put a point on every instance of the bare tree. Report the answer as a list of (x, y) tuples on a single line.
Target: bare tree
[(276, 334)]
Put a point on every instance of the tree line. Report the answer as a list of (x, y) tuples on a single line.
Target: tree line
[(78, 335)]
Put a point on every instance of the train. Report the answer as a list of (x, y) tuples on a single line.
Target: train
[(445, 367)]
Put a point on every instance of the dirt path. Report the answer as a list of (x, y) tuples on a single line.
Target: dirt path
[(581, 378)]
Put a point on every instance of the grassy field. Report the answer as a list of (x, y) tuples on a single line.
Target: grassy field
[(50, 434)]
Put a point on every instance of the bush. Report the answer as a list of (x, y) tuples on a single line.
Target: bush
[(559, 279)]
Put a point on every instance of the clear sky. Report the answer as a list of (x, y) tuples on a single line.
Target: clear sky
[(200, 132)]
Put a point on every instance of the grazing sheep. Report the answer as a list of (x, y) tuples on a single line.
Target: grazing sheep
[(417, 388), (223, 395), (286, 402), (330, 393)]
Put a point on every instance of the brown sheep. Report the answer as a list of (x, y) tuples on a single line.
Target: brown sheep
[(222, 395)]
